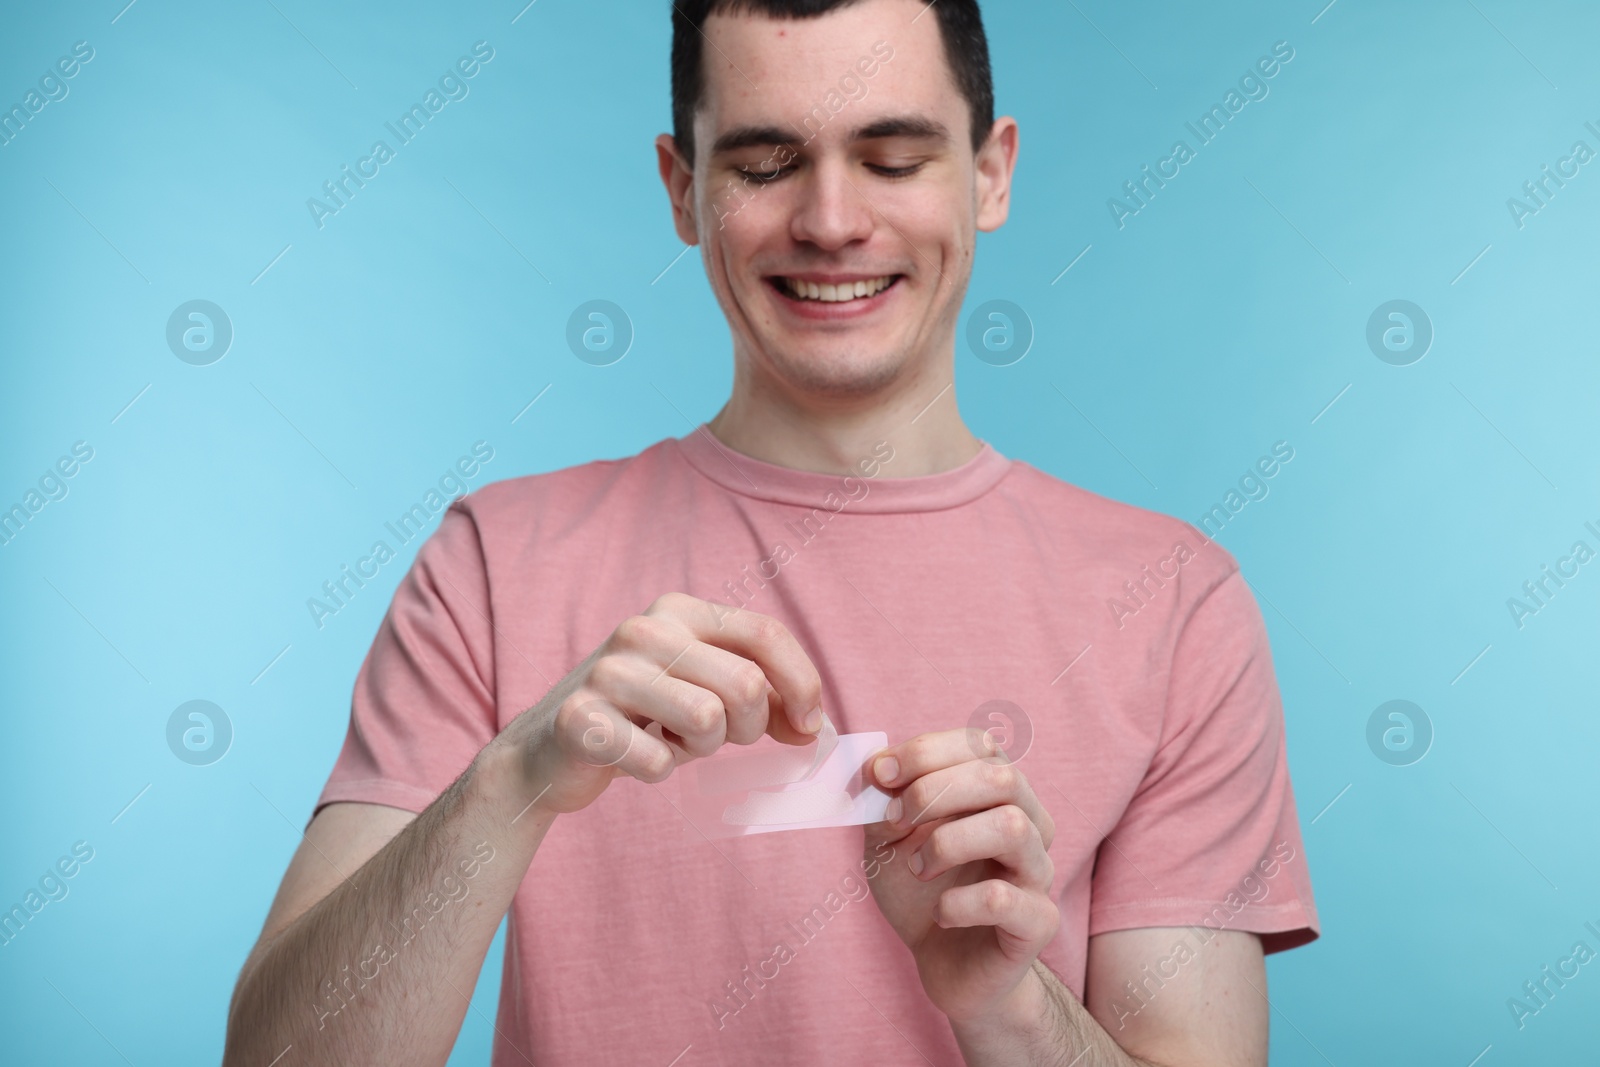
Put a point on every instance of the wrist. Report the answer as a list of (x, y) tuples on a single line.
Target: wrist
[(1023, 1018), (504, 778)]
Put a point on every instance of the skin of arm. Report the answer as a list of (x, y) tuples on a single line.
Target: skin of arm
[(371, 950), (397, 995), (1209, 1016), (969, 894)]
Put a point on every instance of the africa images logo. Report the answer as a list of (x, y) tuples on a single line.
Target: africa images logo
[(1252, 87)]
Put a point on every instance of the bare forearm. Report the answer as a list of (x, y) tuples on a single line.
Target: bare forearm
[(1045, 1026), (379, 971)]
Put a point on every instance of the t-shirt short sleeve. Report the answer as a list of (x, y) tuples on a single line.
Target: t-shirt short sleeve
[(423, 705), (1211, 837)]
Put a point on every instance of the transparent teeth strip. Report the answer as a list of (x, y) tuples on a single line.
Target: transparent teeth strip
[(772, 786)]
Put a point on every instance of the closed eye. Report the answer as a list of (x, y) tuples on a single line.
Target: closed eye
[(894, 172), (766, 174)]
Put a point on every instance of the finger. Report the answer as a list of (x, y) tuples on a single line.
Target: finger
[(905, 838), (770, 645), (926, 753), (672, 652), (598, 733), (1027, 919), (976, 785), (1004, 834), (780, 724), (738, 682), (694, 715)]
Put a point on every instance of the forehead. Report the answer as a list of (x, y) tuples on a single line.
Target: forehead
[(759, 70)]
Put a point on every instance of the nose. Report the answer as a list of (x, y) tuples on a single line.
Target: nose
[(831, 211)]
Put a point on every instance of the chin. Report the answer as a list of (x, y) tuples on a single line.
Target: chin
[(837, 375)]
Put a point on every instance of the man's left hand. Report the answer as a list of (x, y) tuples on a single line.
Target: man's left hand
[(969, 888)]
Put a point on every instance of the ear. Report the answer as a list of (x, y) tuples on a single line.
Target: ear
[(678, 177), (995, 162)]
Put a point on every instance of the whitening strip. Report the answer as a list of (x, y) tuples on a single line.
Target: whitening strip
[(782, 787)]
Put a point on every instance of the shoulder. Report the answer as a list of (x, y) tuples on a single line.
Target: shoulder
[(1100, 535), (535, 501)]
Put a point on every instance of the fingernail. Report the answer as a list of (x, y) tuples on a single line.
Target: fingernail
[(891, 813), (888, 770), (915, 863), (813, 720)]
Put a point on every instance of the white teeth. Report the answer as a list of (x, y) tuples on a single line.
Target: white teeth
[(836, 294)]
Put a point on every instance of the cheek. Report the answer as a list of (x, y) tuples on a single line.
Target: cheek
[(726, 256), (733, 241), (720, 249), (932, 218)]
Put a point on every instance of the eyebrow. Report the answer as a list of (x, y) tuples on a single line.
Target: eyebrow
[(912, 126)]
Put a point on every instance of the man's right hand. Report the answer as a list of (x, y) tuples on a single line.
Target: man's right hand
[(705, 673), (666, 686)]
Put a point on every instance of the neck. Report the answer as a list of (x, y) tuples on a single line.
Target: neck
[(917, 416)]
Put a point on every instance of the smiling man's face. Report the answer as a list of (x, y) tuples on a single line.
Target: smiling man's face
[(836, 210)]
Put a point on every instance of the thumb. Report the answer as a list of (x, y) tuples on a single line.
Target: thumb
[(779, 725)]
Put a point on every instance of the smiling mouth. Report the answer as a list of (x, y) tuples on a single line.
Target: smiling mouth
[(824, 293)]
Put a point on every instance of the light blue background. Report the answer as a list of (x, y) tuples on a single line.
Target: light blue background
[(1224, 317)]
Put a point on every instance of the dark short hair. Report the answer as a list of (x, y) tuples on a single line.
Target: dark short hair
[(966, 49)]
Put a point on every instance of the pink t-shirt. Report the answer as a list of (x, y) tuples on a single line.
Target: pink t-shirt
[(1131, 644)]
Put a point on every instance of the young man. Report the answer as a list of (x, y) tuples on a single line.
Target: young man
[(836, 540)]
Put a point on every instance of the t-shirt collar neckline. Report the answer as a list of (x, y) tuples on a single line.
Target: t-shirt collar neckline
[(751, 477)]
